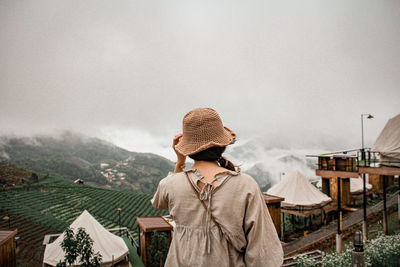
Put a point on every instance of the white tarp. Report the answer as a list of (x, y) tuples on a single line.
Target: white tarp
[(356, 185), (298, 191), (108, 244), (388, 143)]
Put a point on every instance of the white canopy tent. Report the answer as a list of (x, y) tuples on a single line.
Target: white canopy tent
[(299, 192), (111, 247), (388, 143)]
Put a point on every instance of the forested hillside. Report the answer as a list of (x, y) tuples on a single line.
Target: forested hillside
[(93, 160)]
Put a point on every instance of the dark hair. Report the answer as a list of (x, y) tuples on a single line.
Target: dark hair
[(214, 154)]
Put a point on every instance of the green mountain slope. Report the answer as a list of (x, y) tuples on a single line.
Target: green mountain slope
[(90, 159), (54, 203), (47, 205)]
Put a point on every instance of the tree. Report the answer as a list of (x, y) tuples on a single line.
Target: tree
[(79, 247), (158, 250)]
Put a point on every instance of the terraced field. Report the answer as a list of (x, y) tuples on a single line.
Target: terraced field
[(51, 204), (30, 249)]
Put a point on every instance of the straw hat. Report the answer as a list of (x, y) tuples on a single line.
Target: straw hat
[(202, 129)]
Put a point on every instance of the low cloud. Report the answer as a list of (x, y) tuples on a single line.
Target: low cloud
[(129, 71)]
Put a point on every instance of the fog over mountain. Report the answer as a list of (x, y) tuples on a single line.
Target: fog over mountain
[(289, 78), (76, 156), (269, 162), (73, 155)]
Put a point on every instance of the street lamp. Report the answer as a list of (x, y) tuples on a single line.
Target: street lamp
[(364, 226), (358, 241), (357, 255), (7, 219), (280, 175), (119, 219), (369, 116)]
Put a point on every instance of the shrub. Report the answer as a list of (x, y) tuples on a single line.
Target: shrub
[(383, 251)]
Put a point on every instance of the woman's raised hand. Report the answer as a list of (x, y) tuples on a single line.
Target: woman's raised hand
[(181, 159)]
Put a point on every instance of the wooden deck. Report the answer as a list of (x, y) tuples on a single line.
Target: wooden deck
[(336, 174), (151, 223), (306, 213), (380, 170)]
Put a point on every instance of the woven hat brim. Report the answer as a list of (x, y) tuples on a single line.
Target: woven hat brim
[(187, 148)]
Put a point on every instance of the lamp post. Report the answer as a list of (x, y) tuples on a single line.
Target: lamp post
[(365, 226), (357, 255), (119, 219), (339, 217), (7, 219), (282, 214), (369, 116)]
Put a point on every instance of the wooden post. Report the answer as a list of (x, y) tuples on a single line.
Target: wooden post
[(385, 223), (365, 225), (282, 226), (398, 200), (322, 217), (339, 215), (274, 208), (345, 191), (293, 221)]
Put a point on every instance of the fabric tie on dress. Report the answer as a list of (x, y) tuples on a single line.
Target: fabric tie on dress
[(206, 194)]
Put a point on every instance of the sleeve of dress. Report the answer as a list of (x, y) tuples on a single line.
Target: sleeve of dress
[(160, 198), (263, 245)]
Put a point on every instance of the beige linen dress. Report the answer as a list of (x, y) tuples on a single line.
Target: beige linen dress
[(248, 236)]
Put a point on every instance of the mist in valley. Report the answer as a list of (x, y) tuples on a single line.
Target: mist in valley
[(266, 159)]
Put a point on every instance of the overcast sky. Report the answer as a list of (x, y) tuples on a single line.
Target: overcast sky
[(127, 71)]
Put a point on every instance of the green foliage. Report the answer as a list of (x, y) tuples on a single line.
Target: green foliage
[(158, 250), (85, 244), (70, 246), (383, 251), (79, 247), (330, 260)]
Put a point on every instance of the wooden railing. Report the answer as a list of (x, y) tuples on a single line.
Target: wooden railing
[(314, 255)]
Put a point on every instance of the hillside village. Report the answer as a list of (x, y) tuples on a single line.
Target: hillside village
[(112, 174)]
